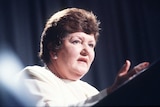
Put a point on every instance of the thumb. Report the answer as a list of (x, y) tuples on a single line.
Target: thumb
[(125, 68)]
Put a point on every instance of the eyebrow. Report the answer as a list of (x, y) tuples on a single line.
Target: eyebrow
[(82, 38)]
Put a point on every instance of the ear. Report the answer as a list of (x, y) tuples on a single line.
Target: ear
[(53, 55)]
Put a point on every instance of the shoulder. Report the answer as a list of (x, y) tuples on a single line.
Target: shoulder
[(84, 83), (33, 68), (87, 86), (35, 72)]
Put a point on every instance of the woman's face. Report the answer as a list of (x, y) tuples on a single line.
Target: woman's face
[(75, 57)]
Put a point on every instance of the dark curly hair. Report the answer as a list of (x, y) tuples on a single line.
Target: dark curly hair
[(60, 24)]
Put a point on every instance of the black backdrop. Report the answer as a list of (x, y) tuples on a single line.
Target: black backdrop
[(130, 30)]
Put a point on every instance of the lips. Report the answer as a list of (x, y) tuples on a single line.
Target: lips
[(83, 60)]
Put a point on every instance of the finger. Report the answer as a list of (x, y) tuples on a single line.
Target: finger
[(138, 68), (125, 68), (141, 66)]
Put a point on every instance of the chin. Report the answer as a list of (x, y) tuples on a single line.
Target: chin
[(77, 76), (80, 74)]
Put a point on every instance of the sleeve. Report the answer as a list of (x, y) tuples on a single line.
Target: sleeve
[(37, 91), (92, 100), (41, 94)]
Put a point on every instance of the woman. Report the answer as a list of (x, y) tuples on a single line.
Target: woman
[(67, 50)]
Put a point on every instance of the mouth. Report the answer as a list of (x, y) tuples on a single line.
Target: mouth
[(84, 60)]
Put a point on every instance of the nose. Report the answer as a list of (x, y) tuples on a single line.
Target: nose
[(84, 51)]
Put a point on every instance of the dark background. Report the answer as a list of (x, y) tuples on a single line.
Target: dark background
[(130, 30)]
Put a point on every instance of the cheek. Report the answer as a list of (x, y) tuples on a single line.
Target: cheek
[(92, 55), (70, 54), (73, 53)]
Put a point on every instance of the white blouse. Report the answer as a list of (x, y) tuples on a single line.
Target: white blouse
[(47, 89)]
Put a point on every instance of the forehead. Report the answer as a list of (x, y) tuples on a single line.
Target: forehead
[(82, 35)]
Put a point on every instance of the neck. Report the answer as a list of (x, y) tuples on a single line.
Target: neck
[(51, 67)]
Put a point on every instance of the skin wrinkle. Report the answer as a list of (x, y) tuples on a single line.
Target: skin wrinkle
[(76, 47)]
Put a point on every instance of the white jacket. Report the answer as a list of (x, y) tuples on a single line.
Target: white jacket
[(46, 89)]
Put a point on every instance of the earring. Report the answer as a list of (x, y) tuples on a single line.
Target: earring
[(55, 57)]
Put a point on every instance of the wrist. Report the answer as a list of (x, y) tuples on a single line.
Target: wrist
[(109, 90)]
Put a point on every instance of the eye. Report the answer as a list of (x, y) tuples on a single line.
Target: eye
[(91, 45), (76, 41)]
